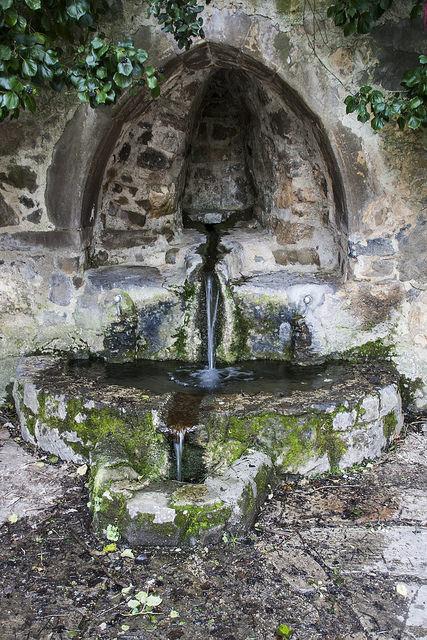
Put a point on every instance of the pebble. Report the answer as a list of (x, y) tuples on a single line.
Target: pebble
[(142, 558)]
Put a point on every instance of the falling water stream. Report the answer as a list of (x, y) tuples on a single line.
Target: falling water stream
[(178, 445), (212, 301)]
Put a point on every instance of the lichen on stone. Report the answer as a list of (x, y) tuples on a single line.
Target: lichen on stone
[(389, 425)]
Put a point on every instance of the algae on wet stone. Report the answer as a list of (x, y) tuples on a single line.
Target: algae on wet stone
[(289, 440), (389, 425), (193, 514), (145, 448), (372, 350)]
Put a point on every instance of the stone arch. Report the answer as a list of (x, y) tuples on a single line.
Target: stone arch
[(187, 76)]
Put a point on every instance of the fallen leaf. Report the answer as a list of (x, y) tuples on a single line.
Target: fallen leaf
[(12, 518), (110, 548), (82, 470), (127, 553), (174, 614), (402, 589)]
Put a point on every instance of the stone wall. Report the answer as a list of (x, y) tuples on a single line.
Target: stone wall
[(66, 202)]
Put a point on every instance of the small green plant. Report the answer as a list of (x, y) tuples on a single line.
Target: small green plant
[(59, 44), (143, 603), (112, 533), (284, 631), (406, 109)]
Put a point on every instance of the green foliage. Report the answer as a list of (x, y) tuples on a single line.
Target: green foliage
[(284, 631), (57, 43), (359, 16), (406, 109), (181, 18)]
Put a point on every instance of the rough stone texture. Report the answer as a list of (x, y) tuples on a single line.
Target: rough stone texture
[(28, 486), (321, 178), (319, 559), (246, 442)]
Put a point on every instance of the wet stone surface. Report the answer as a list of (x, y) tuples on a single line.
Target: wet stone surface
[(245, 441), (334, 557)]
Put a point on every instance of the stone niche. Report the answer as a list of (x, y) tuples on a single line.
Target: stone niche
[(221, 148), (229, 145)]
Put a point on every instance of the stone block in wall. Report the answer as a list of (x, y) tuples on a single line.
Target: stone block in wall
[(60, 289), (297, 256), (292, 232), (8, 216)]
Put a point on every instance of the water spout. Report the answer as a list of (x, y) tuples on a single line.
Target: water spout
[(179, 447), (212, 301)]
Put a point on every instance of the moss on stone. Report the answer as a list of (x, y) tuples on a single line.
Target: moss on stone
[(389, 425), (239, 345), (144, 446), (288, 440), (192, 520), (408, 389), (372, 350), (180, 345)]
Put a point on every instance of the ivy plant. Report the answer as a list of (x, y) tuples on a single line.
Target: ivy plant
[(359, 16), (406, 108), (57, 43)]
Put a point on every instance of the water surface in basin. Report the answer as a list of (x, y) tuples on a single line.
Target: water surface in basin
[(246, 377)]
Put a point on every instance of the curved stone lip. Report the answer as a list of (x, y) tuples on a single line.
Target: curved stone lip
[(247, 441)]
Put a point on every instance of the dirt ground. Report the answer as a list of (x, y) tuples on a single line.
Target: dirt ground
[(336, 558)]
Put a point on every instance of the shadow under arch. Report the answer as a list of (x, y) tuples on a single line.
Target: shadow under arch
[(78, 213)]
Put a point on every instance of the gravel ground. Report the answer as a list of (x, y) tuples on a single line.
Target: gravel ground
[(339, 558)]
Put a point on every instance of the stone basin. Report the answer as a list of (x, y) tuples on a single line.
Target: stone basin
[(244, 441)]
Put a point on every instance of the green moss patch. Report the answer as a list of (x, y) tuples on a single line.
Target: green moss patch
[(288, 440), (144, 448), (389, 425)]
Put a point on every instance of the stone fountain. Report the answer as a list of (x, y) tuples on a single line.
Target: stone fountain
[(217, 266)]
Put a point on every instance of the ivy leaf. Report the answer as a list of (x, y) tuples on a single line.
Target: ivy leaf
[(10, 100), (423, 59), (125, 68), (122, 81), (33, 4), (15, 84), (29, 68), (153, 601), (152, 82), (413, 122), (5, 52), (5, 4), (51, 57), (46, 72), (97, 43), (141, 56), (377, 123), (11, 17), (77, 9), (415, 103), (101, 73), (29, 103)]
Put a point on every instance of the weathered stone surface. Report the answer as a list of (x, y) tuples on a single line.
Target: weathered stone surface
[(246, 442), (8, 216), (60, 290), (20, 177), (28, 487)]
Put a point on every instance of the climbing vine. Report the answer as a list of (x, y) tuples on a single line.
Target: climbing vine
[(406, 108), (57, 43)]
